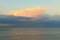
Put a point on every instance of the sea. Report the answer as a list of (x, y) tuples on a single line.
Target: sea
[(29, 33)]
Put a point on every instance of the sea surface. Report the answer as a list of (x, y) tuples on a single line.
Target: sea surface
[(35, 33)]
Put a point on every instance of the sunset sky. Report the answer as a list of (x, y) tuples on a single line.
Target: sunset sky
[(29, 19), (53, 6)]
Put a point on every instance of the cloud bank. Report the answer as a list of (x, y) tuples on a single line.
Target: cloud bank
[(44, 20)]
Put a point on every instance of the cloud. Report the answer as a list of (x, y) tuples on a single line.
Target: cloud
[(27, 12), (44, 21)]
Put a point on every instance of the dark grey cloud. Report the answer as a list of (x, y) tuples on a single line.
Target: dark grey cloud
[(42, 21)]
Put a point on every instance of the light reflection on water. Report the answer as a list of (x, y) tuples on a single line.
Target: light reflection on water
[(29, 33)]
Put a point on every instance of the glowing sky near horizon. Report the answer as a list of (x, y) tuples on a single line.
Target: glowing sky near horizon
[(27, 12)]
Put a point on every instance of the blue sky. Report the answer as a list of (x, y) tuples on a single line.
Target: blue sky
[(53, 6)]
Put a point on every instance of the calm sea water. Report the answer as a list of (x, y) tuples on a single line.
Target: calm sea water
[(29, 33)]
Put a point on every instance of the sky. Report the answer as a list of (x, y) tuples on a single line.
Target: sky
[(30, 12), (53, 6)]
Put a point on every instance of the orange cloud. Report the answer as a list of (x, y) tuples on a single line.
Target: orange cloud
[(27, 12)]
